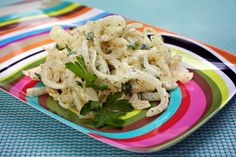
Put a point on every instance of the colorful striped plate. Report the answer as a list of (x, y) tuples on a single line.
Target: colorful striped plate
[(23, 34)]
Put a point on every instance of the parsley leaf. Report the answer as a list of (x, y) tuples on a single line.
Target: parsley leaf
[(112, 97), (108, 113), (103, 118), (99, 86), (80, 70), (121, 105), (90, 106)]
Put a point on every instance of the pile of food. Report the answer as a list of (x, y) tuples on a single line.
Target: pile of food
[(104, 69)]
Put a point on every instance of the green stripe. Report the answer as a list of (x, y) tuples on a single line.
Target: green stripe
[(201, 65), (217, 96), (12, 77)]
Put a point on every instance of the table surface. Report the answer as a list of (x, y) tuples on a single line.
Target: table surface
[(25, 131)]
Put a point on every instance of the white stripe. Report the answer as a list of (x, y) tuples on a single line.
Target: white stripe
[(82, 17), (14, 9), (230, 65), (22, 55), (209, 66), (85, 16), (19, 65)]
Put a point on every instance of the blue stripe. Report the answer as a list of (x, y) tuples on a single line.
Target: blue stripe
[(175, 100), (20, 36), (36, 12)]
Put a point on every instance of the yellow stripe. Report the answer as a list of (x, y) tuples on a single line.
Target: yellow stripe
[(130, 114), (21, 68), (205, 68), (54, 13)]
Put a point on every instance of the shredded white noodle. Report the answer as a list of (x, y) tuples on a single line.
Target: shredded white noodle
[(116, 53)]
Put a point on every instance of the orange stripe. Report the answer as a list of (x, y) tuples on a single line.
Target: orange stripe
[(227, 55), (46, 22), (26, 48)]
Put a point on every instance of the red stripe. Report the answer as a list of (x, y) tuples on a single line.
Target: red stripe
[(174, 119)]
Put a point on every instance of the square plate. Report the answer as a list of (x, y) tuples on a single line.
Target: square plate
[(24, 35)]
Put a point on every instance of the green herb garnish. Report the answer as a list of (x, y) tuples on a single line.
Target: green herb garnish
[(142, 62), (90, 106), (143, 46), (73, 27), (137, 46), (108, 113), (69, 51), (58, 47), (79, 69), (126, 87), (99, 86), (89, 36), (132, 47), (38, 76), (79, 83), (109, 51)]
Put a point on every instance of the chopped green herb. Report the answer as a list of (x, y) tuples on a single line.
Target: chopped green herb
[(108, 113), (137, 46), (109, 51), (143, 46), (67, 48), (142, 62), (58, 47), (69, 51), (73, 27), (89, 36), (79, 83), (126, 87), (132, 47), (38, 76)]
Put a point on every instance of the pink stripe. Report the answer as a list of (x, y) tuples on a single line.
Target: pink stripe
[(193, 114), (17, 88)]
